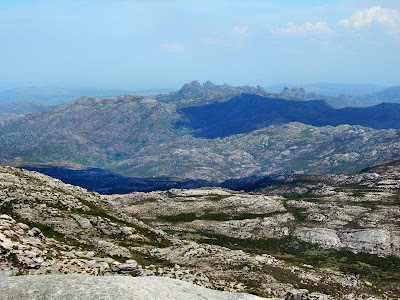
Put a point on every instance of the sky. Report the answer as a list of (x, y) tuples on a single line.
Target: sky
[(164, 44)]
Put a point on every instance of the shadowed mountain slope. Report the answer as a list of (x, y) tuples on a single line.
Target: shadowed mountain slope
[(246, 113)]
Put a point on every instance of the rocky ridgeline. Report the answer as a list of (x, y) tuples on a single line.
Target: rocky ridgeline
[(294, 146), (194, 93), (50, 228), (340, 101)]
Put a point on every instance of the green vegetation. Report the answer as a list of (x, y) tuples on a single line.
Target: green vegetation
[(392, 163), (189, 217), (296, 251), (147, 260), (217, 197), (305, 197), (306, 133), (94, 210)]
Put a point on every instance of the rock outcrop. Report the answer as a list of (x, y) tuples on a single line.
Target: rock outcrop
[(98, 287), (194, 93)]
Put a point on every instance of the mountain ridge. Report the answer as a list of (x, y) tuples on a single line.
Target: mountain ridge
[(195, 94), (141, 137)]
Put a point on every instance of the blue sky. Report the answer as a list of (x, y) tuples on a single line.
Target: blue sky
[(149, 44)]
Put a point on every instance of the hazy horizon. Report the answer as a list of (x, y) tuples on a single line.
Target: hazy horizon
[(138, 45)]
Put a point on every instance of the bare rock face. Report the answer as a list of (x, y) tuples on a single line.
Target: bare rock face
[(369, 240), (322, 236), (91, 287)]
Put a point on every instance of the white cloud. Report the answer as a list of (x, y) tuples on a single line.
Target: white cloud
[(363, 18), (173, 48), (319, 30)]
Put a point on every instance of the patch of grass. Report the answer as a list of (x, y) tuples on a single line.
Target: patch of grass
[(215, 217), (155, 239), (298, 212), (306, 133), (184, 217), (375, 204), (354, 225), (145, 201), (392, 163), (358, 193), (364, 265), (309, 197), (217, 197), (189, 217), (258, 292), (147, 260), (293, 196), (94, 210)]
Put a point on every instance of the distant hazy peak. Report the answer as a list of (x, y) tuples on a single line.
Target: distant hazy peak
[(295, 92), (208, 91), (299, 93), (209, 85)]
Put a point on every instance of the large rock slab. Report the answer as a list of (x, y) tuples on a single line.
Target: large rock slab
[(108, 287)]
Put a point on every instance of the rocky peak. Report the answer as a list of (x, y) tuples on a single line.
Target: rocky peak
[(299, 93), (208, 92), (209, 85), (194, 85), (343, 100)]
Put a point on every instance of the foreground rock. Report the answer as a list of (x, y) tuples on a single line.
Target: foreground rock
[(95, 287)]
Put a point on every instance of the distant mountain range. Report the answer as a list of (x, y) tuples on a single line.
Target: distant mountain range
[(391, 95), (332, 89), (31, 99), (336, 95), (247, 135), (52, 95), (12, 109), (341, 101)]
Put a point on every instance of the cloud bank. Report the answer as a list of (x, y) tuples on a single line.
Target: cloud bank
[(390, 18)]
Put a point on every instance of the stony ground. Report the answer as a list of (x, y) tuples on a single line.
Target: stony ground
[(216, 238)]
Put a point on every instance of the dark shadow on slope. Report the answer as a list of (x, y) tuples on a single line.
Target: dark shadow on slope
[(246, 113), (107, 183)]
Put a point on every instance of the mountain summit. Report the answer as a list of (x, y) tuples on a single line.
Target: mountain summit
[(196, 93)]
